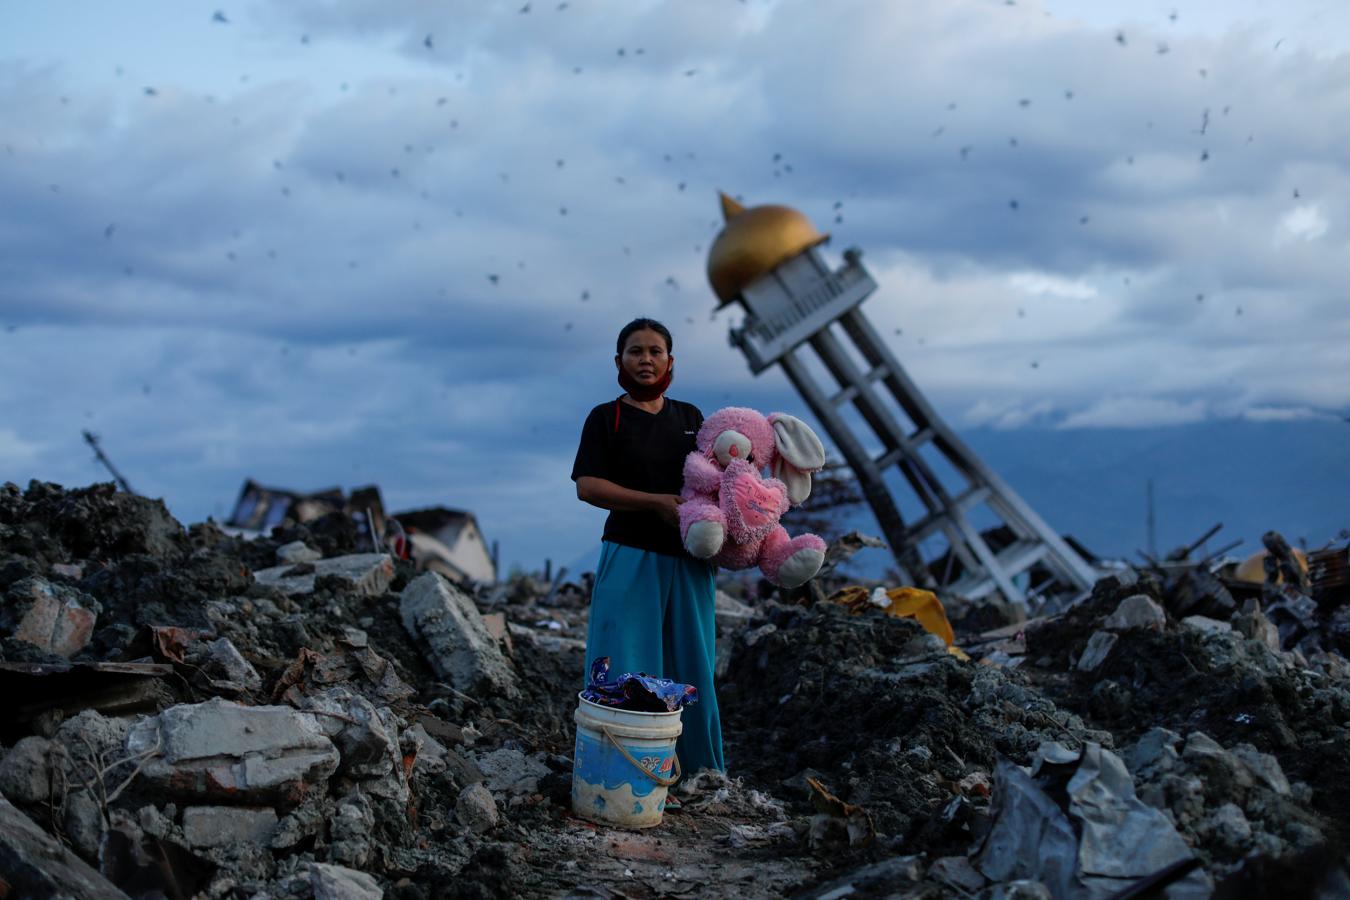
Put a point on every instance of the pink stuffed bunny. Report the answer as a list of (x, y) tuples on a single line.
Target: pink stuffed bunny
[(730, 514)]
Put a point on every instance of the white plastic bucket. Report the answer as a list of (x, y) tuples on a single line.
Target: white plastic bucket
[(624, 763)]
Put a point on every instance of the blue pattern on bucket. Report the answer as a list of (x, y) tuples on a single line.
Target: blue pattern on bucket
[(611, 770)]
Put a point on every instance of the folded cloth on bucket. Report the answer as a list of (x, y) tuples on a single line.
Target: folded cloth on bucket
[(636, 691)]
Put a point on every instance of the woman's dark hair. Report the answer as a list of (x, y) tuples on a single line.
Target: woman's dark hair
[(639, 325)]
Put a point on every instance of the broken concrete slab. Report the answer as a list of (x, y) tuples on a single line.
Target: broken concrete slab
[(25, 772), (226, 669), (476, 809), (297, 552), (459, 647), (1206, 625), (1136, 611), (55, 617), (511, 771), (369, 574), (1097, 650), (35, 864), (958, 872), (244, 754), (218, 826), (367, 737), (331, 882)]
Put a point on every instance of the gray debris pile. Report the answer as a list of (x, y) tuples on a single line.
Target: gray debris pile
[(194, 714)]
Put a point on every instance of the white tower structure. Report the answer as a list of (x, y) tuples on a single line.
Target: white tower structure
[(766, 258)]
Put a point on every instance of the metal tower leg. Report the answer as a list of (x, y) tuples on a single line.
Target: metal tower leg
[(869, 476)]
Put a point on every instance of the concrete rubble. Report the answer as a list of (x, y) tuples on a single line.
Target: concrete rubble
[(459, 645), (327, 723)]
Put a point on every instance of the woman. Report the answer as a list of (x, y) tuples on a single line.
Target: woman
[(652, 603)]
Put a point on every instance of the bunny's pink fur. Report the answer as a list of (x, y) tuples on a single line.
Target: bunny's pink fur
[(743, 506)]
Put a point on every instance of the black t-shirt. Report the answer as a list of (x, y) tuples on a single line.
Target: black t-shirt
[(645, 452)]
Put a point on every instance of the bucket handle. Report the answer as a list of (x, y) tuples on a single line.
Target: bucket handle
[(663, 782)]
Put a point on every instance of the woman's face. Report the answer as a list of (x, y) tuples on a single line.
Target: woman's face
[(644, 356)]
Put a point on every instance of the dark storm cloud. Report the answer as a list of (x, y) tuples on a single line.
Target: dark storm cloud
[(416, 277)]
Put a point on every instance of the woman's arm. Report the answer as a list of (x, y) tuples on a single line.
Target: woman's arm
[(607, 495)]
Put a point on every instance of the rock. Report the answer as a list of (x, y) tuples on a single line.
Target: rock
[(369, 574), (1154, 753), (1020, 889), (742, 836), (444, 620), (297, 552), (878, 879), (246, 754), (306, 820), (731, 613), (88, 760), (218, 826), (226, 668), (1252, 624), (355, 637), (366, 736), (511, 771), (1206, 625), (1263, 768), (331, 882), (431, 753), (34, 864), (1097, 649), (500, 630), (57, 618), (1121, 578), (24, 771), (83, 823), (476, 809), (958, 872), (1136, 611), (1230, 827), (68, 570), (351, 830)]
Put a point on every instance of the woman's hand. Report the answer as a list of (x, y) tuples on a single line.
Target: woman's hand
[(667, 506), (608, 495)]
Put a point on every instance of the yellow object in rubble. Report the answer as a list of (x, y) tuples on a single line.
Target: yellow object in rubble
[(904, 603), (1253, 568), (915, 603)]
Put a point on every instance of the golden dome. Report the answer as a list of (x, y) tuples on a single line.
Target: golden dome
[(753, 242)]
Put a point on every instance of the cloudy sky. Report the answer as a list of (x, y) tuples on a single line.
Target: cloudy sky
[(318, 242)]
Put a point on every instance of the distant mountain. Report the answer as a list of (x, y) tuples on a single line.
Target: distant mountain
[(1293, 477)]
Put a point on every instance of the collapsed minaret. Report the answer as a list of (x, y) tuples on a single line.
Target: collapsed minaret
[(766, 258)]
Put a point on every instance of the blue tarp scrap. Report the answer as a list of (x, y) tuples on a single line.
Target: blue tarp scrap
[(636, 691)]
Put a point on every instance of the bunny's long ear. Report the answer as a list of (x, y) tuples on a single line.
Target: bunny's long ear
[(799, 453)]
